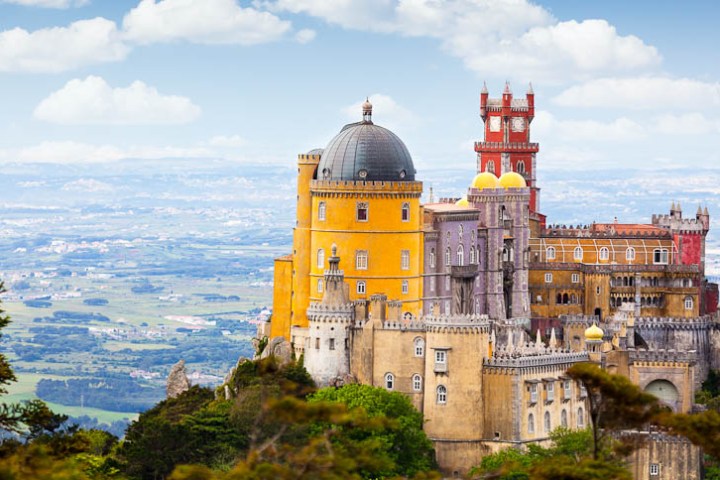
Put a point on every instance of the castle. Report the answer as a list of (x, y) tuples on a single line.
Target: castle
[(473, 307)]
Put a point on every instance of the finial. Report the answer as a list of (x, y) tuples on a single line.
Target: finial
[(538, 339), (553, 340), (530, 89), (334, 250), (699, 210), (672, 206), (432, 197), (706, 212), (507, 87), (367, 110), (510, 345), (484, 89)]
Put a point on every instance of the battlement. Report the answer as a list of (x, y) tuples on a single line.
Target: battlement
[(339, 186), (318, 312), (587, 231), (517, 147), (413, 325), (664, 356), (691, 323), (550, 357), (309, 157)]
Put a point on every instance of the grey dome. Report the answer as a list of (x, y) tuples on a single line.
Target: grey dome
[(364, 151)]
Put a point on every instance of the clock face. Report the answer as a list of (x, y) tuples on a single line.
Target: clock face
[(518, 124), (495, 124)]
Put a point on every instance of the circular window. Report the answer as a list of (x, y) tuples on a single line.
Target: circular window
[(326, 172), (362, 174), (402, 173)]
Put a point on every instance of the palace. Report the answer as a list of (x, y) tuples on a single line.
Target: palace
[(474, 307)]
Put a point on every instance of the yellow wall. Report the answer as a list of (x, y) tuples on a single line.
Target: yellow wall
[(282, 297)]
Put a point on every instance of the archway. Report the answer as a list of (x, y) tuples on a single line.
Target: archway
[(666, 392)]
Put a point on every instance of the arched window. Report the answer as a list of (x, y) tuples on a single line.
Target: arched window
[(581, 418), (320, 285), (472, 255), (490, 167), (558, 301), (360, 289), (448, 257), (563, 418), (419, 347), (688, 303), (604, 253), (550, 253), (461, 230), (548, 426), (432, 257), (417, 382), (566, 298), (405, 212), (320, 258), (531, 423), (521, 167), (630, 254), (460, 255), (578, 253), (389, 381), (321, 211), (441, 394)]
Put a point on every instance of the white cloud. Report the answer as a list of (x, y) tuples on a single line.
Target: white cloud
[(57, 49), (305, 35), (87, 185), (69, 152), (206, 21), (93, 102), (490, 36), (621, 129), (386, 111), (232, 141), (642, 93), (48, 3), (686, 124)]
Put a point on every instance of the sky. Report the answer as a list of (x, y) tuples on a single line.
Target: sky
[(618, 85)]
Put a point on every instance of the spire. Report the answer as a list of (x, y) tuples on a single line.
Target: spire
[(538, 339), (553, 340), (521, 341), (530, 89), (367, 110), (507, 88), (510, 346), (705, 212), (699, 210), (484, 89), (672, 206)]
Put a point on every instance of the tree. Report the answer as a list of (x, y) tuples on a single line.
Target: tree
[(614, 403)]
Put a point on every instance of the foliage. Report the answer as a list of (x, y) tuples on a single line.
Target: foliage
[(403, 438), (615, 403), (702, 429)]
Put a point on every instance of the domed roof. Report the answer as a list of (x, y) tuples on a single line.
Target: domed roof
[(463, 202), (594, 333), (512, 180), (364, 151), (485, 180)]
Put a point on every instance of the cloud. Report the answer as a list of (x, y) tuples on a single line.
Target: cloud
[(69, 152), (621, 129), (305, 35), (57, 49), (87, 185), (206, 21), (490, 36), (48, 3), (93, 102), (386, 112), (686, 124), (642, 93), (232, 141)]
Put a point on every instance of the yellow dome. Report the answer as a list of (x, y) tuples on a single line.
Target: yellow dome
[(594, 333), (485, 180), (463, 202), (512, 180)]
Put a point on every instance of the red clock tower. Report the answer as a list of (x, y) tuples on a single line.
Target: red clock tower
[(507, 146)]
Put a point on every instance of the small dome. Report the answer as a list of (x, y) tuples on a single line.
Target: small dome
[(594, 333), (463, 202), (485, 180), (512, 180)]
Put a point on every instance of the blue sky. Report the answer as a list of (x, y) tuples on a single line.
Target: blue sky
[(618, 84)]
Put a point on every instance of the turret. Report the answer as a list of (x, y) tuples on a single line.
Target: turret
[(530, 95), (483, 101), (675, 210), (506, 101), (703, 216)]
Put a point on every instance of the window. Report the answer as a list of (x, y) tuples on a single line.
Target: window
[(317, 343), (604, 253), (389, 381), (578, 253), (460, 255), (448, 257), (441, 394), (550, 253), (405, 259), (361, 214), (583, 391), (440, 361), (447, 282), (320, 285), (460, 230), (581, 418), (660, 256), (548, 425), (405, 212), (548, 278), (550, 391), (472, 255), (688, 303), (563, 418), (432, 284), (321, 211), (332, 344), (575, 278), (630, 254), (567, 390), (320, 258), (405, 287), (654, 469), (361, 260), (432, 257), (417, 383), (419, 347), (533, 393), (531, 423), (446, 305), (490, 167), (360, 287), (521, 167)]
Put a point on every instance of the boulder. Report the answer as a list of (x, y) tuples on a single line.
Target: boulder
[(177, 381)]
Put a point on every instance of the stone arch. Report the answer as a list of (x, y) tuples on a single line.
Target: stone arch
[(666, 391)]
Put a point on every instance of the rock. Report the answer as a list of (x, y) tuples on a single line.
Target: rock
[(346, 379), (280, 348), (177, 381)]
